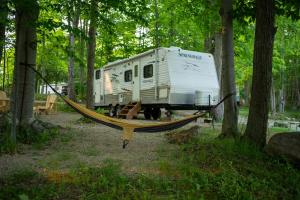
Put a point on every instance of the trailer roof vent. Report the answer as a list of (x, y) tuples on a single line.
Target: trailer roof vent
[(175, 48)]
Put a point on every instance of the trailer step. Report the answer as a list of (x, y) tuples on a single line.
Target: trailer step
[(130, 110)]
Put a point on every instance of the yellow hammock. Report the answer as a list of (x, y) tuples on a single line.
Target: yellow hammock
[(129, 127)]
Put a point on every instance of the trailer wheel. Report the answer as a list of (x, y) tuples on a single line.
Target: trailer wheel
[(112, 111), (156, 113), (118, 109), (147, 113)]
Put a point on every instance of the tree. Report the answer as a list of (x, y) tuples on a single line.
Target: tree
[(91, 53), (3, 19), (27, 12), (262, 72), (229, 126), (73, 20)]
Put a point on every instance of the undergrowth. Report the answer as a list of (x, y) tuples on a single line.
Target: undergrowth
[(26, 136), (206, 168)]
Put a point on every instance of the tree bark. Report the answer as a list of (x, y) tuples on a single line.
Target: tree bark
[(273, 99), (73, 21), (247, 92), (27, 12), (219, 111), (262, 72), (71, 86), (3, 18), (229, 126), (91, 54), (82, 54)]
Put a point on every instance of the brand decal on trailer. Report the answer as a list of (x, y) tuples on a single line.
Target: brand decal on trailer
[(192, 67), (190, 56)]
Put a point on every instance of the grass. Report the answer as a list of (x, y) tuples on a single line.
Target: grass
[(244, 111), (64, 107), (206, 168), (287, 115)]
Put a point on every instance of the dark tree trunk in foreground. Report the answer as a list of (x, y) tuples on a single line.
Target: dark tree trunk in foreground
[(229, 126), (262, 72), (3, 18), (91, 54), (27, 12)]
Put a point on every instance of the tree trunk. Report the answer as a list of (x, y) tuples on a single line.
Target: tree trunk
[(71, 86), (219, 111), (273, 99), (81, 53), (297, 104), (281, 100), (91, 54), (73, 21), (3, 18), (157, 34), (247, 92), (25, 54), (229, 126), (262, 72)]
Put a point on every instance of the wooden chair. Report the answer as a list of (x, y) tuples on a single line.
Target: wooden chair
[(48, 107), (4, 102)]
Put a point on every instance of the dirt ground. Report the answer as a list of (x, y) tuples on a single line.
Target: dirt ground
[(89, 144)]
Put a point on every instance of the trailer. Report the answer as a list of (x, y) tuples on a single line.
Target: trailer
[(170, 78)]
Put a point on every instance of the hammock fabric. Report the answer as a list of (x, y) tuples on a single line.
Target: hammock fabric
[(128, 127)]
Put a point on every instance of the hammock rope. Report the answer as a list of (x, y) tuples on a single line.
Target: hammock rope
[(128, 127)]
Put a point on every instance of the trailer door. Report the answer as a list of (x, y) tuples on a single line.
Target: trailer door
[(136, 82), (97, 86)]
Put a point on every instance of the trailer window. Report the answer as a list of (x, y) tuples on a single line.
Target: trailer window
[(148, 71), (136, 70), (98, 74), (128, 75)]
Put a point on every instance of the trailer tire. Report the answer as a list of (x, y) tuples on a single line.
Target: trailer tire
[(118, 110), (156, 113), (112, 111), (147, 113)]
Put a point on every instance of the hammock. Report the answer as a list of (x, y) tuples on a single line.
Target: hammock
[(128, 127)]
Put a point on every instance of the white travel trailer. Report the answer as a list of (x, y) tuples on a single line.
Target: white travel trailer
[(170, 78)]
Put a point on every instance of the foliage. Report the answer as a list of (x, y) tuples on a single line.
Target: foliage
[(64, 108), (26, 136)]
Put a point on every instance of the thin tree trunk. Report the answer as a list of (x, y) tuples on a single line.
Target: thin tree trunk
[(40, 67), (25, 54), (281, 100), (262, 72), (273, 99), (157, 35), (172, 29), (247, 92), (219, 111), (91, 54), (4, 69), (73, 21), (229, 126), (297, 93), (3, 18), (71, 86), (82, 48)]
